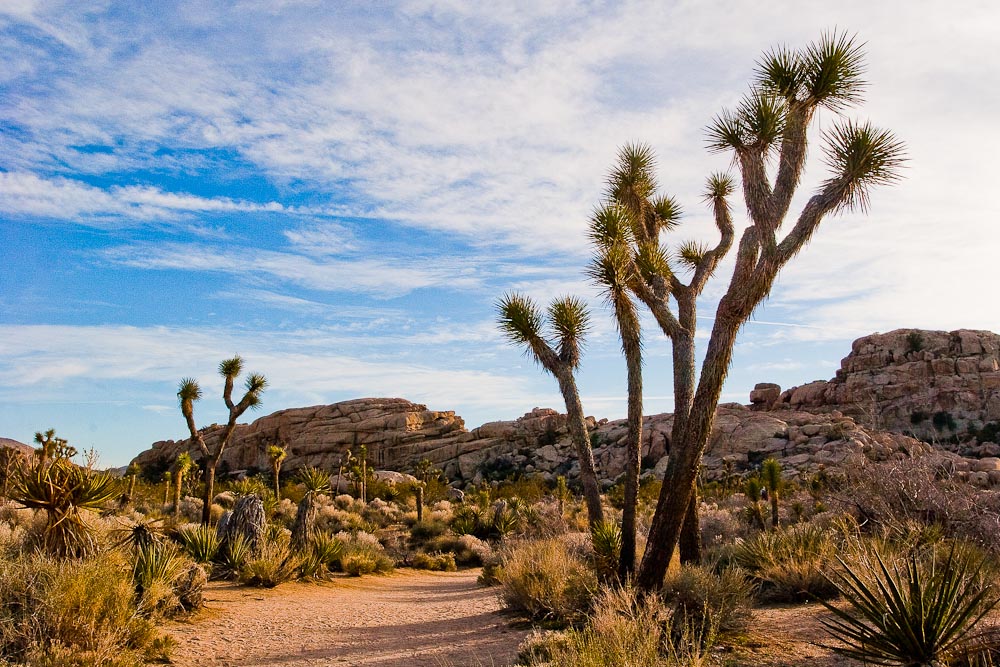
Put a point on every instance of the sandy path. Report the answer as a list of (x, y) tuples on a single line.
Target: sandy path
[(409, 619)]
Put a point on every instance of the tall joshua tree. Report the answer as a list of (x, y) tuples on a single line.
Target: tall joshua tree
[(614, 271), (189, 391), (769, 127), (520, 321)]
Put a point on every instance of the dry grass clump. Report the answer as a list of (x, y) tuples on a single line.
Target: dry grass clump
[(721, 600), (788, 563), (468, 550), (274, 564), (363, 554), (625, 629), (75, 612), (548, 579)]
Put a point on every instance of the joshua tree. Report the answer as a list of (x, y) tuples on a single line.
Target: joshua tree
[(769, 127), (770, 472), (276, 455), (132, 472), (189, 391), (181, 467), (614, 271), (521, 322), (51, 447), (168, 478)]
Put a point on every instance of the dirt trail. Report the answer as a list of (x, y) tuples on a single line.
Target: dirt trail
[(409, 619)]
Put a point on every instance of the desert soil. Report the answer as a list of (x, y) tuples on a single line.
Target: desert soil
[(411, 619)]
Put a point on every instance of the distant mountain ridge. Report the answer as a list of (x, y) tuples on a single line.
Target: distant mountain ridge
[(27, 450)]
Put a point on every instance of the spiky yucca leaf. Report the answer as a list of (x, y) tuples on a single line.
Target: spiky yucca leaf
[(255, 383), (912, 613), (727, 131), (668, 212), (612, 269), (314, 479), (653, 260), (833, 69), (861, 156), (631, 181), (199, 542), (571, 321), (606, 538), (691, 253), (63, 490), (719, 186), (610, 225), (230, 368), (781, 71), (188, 392), (762, 117), (519, 317), (770, 474)]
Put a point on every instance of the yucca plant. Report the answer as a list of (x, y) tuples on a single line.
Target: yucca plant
[(65, 491), (200, 542), (913, 613), (315, 481), (606, 537)]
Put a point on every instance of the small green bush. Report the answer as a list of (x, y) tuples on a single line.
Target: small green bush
[(441, 562), (199, 542)]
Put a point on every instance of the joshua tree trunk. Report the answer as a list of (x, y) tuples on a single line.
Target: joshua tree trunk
[(577, 423), (277, 481), (774, 510), (305, 522), (178, 480), (628, 327), (208, 493), (419, 493)]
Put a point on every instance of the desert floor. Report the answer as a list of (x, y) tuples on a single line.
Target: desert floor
[(412, 619), (421, 619)]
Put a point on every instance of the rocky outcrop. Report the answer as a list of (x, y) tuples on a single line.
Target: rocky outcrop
[(933, 384), (924, 383)]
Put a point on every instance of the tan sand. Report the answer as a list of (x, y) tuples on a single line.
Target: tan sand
[(411, 619)]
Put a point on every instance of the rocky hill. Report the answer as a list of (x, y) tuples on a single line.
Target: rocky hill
[(932, 384), (26, 450), (888, 381)]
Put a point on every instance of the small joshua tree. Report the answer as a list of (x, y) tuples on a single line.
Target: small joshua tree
[(52, 447), (276, 454), (520, 321), (770, 472), (189, 391), (181, 467)]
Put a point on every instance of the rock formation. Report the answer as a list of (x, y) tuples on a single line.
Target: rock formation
[(929, 383), (933, 384)]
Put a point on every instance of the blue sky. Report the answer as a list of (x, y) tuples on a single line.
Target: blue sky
[(339, 192)]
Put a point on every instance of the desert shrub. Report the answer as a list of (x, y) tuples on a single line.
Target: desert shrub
[(379, 513), (626, 630), (467, 549), (465, 521), (426, 529), (723, 601), (441, 562), (788, 563), (911, 612), (892, 496), (720, 526), (154, 569), (363, 554), (80, 612), (199, 542), (274, 564), (333, 518), (547, 579)]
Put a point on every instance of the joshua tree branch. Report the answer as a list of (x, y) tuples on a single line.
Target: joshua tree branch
[(793, 157)]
